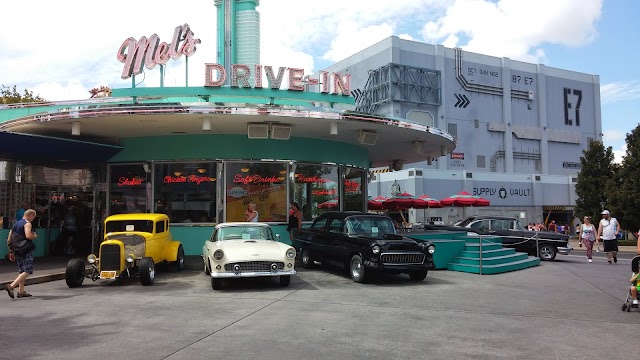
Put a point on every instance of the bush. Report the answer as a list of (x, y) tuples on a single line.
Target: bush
[(627, 242)]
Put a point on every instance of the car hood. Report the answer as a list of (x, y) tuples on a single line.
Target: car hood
[(394, 243), (248, 250)]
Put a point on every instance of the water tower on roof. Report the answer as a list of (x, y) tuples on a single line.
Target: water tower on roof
[(238, 33)]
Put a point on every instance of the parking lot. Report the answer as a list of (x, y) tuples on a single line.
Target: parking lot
[(568, 309)]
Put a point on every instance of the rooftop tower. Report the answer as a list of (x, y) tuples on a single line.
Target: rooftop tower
[(238, 34)]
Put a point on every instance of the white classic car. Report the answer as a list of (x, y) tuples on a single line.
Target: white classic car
[(246, 249)]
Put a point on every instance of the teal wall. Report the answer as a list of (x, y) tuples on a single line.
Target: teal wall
[(448, 245), (192, 237), (204, 146), (41, 242)]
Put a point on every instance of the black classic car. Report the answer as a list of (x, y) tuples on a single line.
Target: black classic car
[(362, 243), (513, 234)]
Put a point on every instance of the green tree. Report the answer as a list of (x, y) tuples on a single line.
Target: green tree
[(10, 95), (595, 176), (624, 191)]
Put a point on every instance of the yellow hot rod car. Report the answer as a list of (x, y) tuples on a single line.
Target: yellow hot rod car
[(132, 245)]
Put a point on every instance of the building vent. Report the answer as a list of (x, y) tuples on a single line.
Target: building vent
[(418, 172), (280, 131), (411, 173), (258, 131), (574, 179), (476, 122), (367, 137), (469, 175), (481, 162), (537, 177)]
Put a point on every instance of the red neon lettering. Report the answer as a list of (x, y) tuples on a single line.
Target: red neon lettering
[(295, 79), (324, 192), (125, 181), (311, 179), (256, 179)]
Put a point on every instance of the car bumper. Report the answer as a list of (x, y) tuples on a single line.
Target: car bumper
[(244, 274), (427, 265), (565, 250)]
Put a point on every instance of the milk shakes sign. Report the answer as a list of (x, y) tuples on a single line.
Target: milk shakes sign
[(151, 52)]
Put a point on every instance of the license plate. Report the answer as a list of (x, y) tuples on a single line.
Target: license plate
[(107, 274)]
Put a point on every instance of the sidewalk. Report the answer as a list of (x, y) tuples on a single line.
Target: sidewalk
[(622, 249), (52, 268)]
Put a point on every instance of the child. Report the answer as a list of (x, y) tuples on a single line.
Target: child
[(635, 286)]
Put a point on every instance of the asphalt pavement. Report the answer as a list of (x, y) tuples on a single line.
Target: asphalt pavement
[(565, 309)]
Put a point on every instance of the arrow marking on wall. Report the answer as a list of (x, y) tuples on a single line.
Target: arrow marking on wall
[(463, 101)]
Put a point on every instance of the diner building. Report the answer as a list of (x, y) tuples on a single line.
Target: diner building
[(254, 134)]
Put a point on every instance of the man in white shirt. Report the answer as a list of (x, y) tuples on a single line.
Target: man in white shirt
[(608, 231)]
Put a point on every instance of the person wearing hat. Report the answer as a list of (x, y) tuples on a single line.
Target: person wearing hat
[(608, 230)]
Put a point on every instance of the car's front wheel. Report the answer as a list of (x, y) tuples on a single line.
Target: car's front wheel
[(147, 271), (216, 284), (74, 275), (547, 252), (307, 259), (418, 275), (207, 267), (178, 265), (356, 269), (285, 280)]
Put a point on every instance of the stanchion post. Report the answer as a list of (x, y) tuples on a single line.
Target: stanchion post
[(480, 254)]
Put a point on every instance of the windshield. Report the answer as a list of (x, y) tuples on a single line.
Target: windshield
[(464, 222), (244, 233), (129, 226), (369, 225)]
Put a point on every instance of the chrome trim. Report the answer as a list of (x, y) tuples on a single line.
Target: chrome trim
[(251, 274), (395, 258)]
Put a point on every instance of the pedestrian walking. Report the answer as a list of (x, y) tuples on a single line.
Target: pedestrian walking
[(588, 236), (295, 219), (608, 230), (25, 261)]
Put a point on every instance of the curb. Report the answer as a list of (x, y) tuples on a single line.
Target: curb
[(39, 279)]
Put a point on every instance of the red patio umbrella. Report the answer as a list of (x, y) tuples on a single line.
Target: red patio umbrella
[(463, 198), (431, 202), (376, 203), (404, 201), (328, 204)]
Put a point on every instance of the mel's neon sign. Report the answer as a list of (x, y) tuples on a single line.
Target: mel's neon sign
[(151, 52)]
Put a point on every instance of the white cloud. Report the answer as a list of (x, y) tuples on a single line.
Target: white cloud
[(406, 37), (618, 155), (515, 28), (65, 51), (620, 91)]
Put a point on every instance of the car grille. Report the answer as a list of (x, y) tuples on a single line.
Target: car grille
[(254, 265), (402, 258), (109, 257)]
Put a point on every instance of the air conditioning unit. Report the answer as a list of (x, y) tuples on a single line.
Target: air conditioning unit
[(258, 131), (367, 137), (280, 131)]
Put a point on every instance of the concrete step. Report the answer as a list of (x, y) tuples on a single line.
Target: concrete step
[(494, 260), (495, 269), (485, 247), (487, 253)]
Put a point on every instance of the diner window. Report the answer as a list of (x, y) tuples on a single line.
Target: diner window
[(259, 183), (128, 189), (186, 192), (315, 189), (353, 189)]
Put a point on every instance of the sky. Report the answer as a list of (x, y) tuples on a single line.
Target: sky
[(62, 49)]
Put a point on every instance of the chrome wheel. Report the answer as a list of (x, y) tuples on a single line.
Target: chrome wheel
[(357, 269), (547, 252)]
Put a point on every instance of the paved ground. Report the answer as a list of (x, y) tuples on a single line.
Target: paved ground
[(568, 309)]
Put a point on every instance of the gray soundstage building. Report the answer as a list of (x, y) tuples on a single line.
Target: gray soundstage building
[(520, 128)]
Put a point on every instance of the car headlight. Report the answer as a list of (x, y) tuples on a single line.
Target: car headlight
[(291, 253), (431, 249), (375, 249), (130, 258), (218, 254), (91, 259)]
